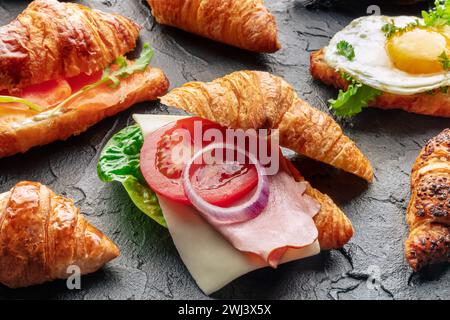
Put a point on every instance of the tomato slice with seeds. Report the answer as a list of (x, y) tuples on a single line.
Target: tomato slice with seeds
[(165, 153)]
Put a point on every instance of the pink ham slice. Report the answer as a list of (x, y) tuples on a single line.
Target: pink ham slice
[(285, 223)]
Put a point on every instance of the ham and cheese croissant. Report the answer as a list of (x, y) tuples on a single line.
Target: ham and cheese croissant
[(246, 24), (334, 228), (42, 234), (46, 53), (428, 213), (253, 99)]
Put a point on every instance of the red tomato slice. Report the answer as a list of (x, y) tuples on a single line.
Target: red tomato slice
[(52, 92), (83, 79), (164, 156)]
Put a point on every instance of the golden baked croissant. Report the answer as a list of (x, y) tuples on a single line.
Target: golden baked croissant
[(42, 234), (253, 99), (246, 24), (51, 40), (334, 228), (428, 213), (48, 46), (436, 104)]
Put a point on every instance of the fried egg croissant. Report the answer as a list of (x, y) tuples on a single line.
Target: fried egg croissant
[(246, 24), (49, 54), (43, 234), (254, 99), (428, 213)]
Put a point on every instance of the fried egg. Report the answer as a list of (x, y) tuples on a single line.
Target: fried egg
[(407, 63)]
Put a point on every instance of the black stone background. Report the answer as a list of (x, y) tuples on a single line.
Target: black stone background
[(149, 266)]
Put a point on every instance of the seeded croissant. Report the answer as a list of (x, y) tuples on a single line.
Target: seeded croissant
[(254, 99), (43, 234), (428, 213), (246, 24)]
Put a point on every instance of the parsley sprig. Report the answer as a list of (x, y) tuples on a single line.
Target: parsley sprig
[(354, 99), (444, 60), (390, 29), (346, 49)]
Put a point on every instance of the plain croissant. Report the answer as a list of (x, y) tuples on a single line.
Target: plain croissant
[(428, 213), (51, 40), (246, 24), (254, 99), (42, 234)]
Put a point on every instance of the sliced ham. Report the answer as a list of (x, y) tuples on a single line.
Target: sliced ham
[(285, 223)]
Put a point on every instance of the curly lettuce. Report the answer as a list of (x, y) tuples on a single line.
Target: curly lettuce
[(119, 161), (354, 99)]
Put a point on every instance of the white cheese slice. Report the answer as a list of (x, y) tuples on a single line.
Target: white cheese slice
[(212, 261), (152, 122)]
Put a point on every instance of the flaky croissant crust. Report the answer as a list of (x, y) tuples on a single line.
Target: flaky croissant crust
[(254, 99), (52, 40), (428, 213), (42, 234), (246, 24), (334, 227)]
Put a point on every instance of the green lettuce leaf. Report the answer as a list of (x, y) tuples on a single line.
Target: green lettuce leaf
[(352, 101), (119, 161)]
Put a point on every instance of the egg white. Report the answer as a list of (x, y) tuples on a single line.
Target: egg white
[(372, 65)]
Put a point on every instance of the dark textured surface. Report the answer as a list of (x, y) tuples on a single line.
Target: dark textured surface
[(149, 266)]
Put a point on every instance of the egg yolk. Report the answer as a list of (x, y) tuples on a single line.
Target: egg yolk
[(417, 51)]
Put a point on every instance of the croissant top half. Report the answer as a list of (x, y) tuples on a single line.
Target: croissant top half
[(246, 24), (51, 40), (255, 99)]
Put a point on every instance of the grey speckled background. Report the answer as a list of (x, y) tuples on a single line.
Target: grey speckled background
[(149, 266)]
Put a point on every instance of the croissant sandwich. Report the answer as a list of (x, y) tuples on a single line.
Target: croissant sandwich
[(253, 99), (389, 63), (428, 213), (246, 24), (62, 70), (230, 217), (43, 234)]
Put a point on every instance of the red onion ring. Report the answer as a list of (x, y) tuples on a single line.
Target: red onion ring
[(248, 210)]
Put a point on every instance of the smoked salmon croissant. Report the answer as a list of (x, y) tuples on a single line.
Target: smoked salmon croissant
[(246, 24), (428, 213), (254, 99), (51, 40), (62, 70), (43, 234)]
